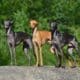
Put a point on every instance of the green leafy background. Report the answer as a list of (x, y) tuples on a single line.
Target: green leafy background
[(21, 11)]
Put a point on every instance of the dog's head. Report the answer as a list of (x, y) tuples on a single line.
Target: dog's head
[(33, 24), (8, 24), (53, 24)]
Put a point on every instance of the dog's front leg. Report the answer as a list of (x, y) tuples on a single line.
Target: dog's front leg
[(40, 56), (58, 60), (11, 54), (36, 53), (57, 52), (14, 55), (62, 57), (70, 52)]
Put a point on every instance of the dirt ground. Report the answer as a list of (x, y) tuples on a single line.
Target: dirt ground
[(38, 73)]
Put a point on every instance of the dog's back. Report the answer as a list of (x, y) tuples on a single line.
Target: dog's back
[(43, 36), (23, 37)]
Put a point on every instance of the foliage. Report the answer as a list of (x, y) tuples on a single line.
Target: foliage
[(21, 11)]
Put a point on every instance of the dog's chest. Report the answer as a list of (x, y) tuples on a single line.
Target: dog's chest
[(10, 38)]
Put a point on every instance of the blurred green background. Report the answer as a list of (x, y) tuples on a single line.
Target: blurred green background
[(21, 11)]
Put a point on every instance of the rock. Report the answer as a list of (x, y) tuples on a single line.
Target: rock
[(38, 73)]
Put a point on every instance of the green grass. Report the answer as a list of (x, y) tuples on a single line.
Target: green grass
[(48, 57)]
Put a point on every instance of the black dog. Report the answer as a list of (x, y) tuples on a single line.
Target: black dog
[(59, 40), (15, 38)]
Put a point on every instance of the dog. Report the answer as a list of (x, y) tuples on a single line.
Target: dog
[(14, 39), (59, 40), (39, 38)]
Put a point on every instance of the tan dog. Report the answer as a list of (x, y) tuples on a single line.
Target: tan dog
[(39, 38)]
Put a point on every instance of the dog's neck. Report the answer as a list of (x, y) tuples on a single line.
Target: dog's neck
[(9, 31), (53, 31), (34, 31), (55, 28)]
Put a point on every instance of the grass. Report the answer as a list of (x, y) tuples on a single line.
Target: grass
[(48, 57)]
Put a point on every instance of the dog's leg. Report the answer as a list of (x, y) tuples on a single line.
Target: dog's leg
[(40, 56), (62, 58), (73, 45), (25, 48), (14, 55), (58, 58), (68, 59), (36, 53), (27, 55), (11, 54), (59, 62), (27, 44), (58, 55), (70, 51)]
